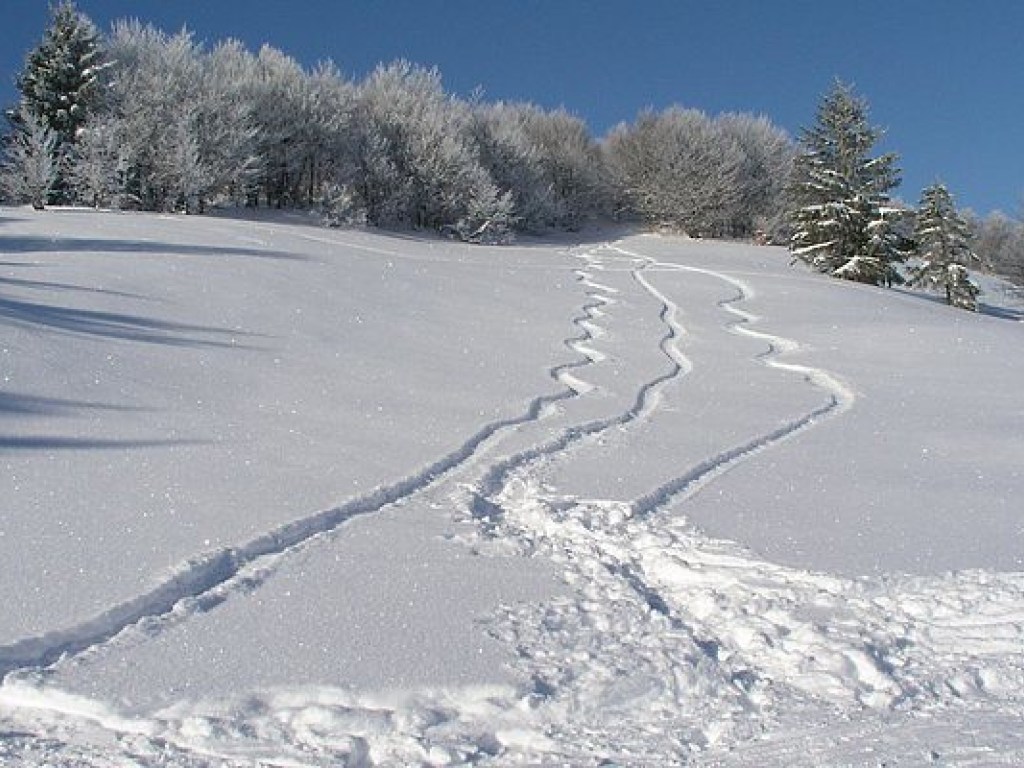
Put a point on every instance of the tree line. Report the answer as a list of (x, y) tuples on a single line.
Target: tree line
[(138, 118), (141, 119)]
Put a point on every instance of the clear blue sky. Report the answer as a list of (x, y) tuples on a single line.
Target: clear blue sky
[(943, 77)]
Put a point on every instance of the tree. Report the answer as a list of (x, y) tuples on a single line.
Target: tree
[(710, 177), (767, 153), (418, 162), (999, 241), (98, 167), (570, 166), (29, 169), (180, 119), (514, 162), (843, 224), (943, 245), (60, 82)]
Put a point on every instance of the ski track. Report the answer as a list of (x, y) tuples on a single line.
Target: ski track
[(711, 644), (671, 649), (841, 397), (202, 582), (646, 402)]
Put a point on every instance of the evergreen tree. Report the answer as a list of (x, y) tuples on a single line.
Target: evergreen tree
[(60, 83), (843, 224), (943, 243), (29, 171)]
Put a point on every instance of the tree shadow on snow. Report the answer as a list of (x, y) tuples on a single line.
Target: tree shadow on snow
[(1003, 313), (36, 244), (18, 404), (15, 404), (117, 325), (991, 310), (8, 443), (46, 285)]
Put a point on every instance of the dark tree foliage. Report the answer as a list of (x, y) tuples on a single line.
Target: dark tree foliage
[(60, 83), (843, 224), (943, 247)]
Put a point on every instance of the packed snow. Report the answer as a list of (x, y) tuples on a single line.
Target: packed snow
[(276, 495)]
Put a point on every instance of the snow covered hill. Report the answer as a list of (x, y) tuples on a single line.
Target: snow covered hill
[(280, 495)]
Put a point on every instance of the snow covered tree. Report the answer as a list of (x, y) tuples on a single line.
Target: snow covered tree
[(999, 241), (418, 162), (570, 166), (29, 169), (98, 166), (710, 177), (60, 84), (843, 224), (942, 239), (767, 156)]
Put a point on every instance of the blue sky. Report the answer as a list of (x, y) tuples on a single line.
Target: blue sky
[(943, 77)]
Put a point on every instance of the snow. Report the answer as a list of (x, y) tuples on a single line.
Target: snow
[(280, 495)]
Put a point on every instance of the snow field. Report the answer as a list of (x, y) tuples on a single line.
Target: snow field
[(424, 623)]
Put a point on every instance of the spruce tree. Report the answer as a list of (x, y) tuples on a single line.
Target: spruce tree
[(28, 169), (60, 82), (843, 224), (943, 245)]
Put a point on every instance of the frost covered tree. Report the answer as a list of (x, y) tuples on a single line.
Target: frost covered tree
[(304, 133), (675, 170), (999, 240), (60, 84), (98, 166), (767, 156), (514, 162), (418, 163), (181, 122), (706, 176), (569, 161), (943, 245), (843, 222), (28, 171)]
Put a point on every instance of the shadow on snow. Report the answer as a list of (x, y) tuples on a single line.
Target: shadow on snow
[(37, 244), (116, 325)]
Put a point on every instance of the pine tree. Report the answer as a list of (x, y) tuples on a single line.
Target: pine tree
[(843, 224), (29, 170), (943, 240), (60, 83)]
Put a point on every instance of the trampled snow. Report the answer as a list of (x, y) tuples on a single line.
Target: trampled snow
[(281, 495)]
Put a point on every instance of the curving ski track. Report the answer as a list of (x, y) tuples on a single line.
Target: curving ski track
[(215, 571), (675, 643), (645, 403), (840, 397), (670, 645)]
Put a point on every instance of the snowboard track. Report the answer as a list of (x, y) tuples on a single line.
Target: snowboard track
[(840, 397)]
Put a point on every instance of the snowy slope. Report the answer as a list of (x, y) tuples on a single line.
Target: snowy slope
[(281, 495)]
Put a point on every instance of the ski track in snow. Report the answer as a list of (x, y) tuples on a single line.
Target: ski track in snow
[(673, 648), (202, 582), (841, 398), (683, 642)]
